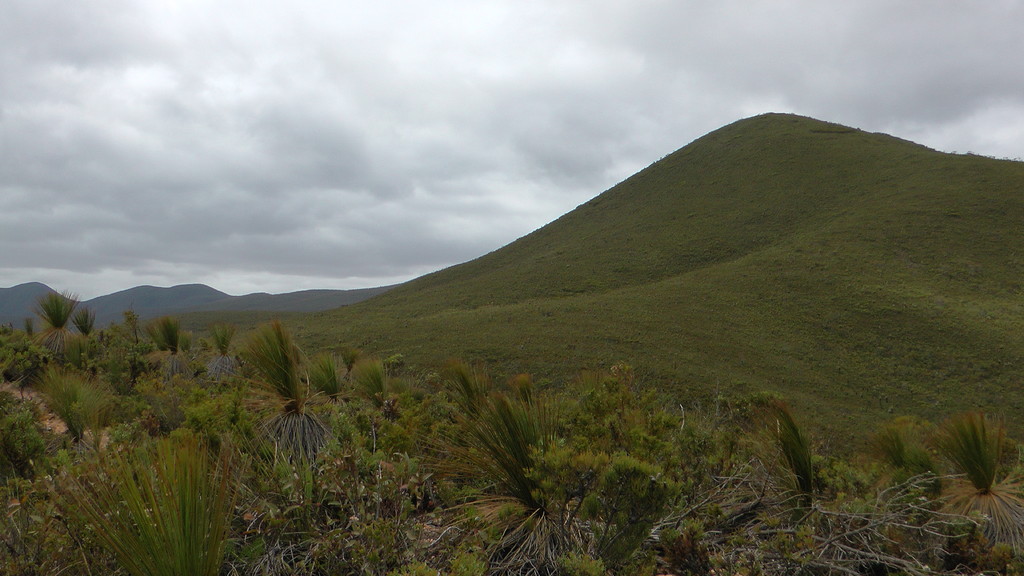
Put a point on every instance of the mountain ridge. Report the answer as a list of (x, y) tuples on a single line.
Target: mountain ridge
[(18, 302)]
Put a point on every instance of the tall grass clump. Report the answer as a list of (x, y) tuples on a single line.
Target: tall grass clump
[(223, 364), (82, 403), (545, 500), (899, 446), (79, 351), (468, 387), (975, 446), (795, 448), (55, 310), (370, 379), (499, 441), (160, 511), (503, 440), (325, 376), (171, 343), (84, 321), (277, 363)]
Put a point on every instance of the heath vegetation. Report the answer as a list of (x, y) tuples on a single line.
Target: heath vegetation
[(341, 463)]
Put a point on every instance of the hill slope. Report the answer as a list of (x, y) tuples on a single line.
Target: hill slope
[(858, 274)]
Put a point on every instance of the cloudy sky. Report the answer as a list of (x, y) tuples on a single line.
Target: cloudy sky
[(276, 146)]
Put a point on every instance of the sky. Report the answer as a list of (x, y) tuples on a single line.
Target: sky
[(267, 146)]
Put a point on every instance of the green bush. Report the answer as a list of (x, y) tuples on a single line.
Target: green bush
[(81, 402), (21, 358), (21, 440)]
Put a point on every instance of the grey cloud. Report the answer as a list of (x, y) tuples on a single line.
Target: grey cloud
[(333, 144)]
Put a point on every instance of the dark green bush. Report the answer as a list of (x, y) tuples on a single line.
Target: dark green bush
[(22, 445)]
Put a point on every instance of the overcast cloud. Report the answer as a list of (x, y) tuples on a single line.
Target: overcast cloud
[(270, 146)]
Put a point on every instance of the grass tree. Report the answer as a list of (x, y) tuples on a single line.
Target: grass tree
[(223, 364), (326, 376), (163, 510), (370, 379), (171, 342), (548, 501), (79, 351), (900, 448), (499, 441), (277, 363), (82, 403), (349, 357), (55, 310), (84, 321), (469, 387), (975, 446), (795, 448)]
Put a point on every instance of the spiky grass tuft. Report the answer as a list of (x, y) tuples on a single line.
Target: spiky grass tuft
[(162, 511), (499, 441), (278, 362), (325, 376), (898, 445), (171, 343), (975, 447), (370, 379), (79, 351), (468, 387), (223, 364), (84, 321), (221, 335), (795, 448), (83, 404), (166, 334), (55, 311)]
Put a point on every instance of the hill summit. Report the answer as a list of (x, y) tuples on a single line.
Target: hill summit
[(855, 273)]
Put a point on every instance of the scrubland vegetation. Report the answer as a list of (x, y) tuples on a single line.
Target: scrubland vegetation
[(146, 450)]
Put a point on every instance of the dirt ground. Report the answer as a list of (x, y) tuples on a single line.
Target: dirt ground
[(50, 421)]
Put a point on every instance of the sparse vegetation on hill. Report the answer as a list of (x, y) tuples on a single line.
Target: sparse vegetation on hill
[(837, 267)]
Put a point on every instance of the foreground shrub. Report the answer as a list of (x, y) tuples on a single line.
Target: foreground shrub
[(82, 403), (975, 447), (547, 504), (161, 511), (277, 362), (21, 440), (34, 540), (795, 448), (21, 358), (325, 376)]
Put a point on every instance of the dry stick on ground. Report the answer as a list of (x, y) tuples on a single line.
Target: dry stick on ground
[(845, 540)]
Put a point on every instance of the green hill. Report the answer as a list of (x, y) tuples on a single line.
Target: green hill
[(858, 274)]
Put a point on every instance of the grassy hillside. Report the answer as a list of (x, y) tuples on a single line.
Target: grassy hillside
[(858, 274)]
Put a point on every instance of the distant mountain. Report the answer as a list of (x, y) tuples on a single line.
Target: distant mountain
[(18, 302), (859, 275), (152, 302), (302, 301)]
